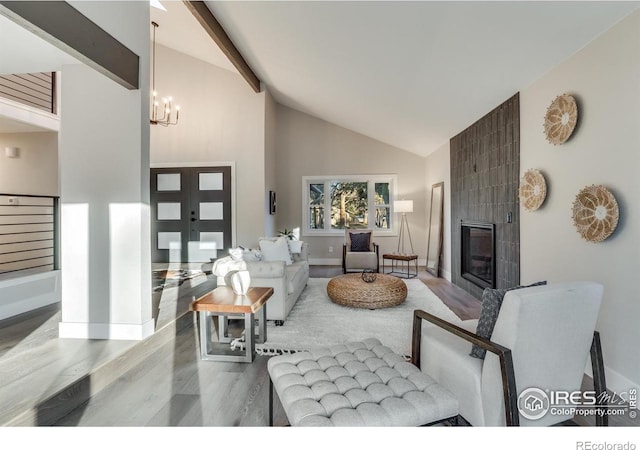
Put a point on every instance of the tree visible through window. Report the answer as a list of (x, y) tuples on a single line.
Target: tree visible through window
[(383, 206), (356, 202), (349, 205), (316, 206)]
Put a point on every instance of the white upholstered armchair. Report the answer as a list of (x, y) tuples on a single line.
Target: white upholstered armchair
[(359, 252), (542, 339)]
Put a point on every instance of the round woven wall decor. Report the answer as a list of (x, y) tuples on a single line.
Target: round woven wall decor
[(533, 190), (595, 213), (561, 119)]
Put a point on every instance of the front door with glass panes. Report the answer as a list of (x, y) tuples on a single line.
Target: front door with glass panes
[(190, 214)]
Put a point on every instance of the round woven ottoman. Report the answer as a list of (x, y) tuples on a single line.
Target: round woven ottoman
[(351, 290)]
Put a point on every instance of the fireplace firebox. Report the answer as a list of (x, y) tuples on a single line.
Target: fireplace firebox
[(478, 261)]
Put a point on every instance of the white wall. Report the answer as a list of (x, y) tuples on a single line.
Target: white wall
[(270, 147), (605, 149), (35, 171), (104, 182), (308, 146), (438, 169), (221, 120)]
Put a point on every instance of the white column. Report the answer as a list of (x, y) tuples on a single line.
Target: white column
[(104, 185)]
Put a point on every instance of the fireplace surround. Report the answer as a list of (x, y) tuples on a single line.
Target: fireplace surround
[(485, 176)]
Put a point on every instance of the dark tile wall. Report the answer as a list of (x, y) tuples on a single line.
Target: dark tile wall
[(485, 170)]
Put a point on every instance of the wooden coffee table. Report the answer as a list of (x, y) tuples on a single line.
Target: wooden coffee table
[(220, 304)]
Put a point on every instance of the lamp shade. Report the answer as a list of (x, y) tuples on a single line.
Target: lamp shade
[(403, 206)]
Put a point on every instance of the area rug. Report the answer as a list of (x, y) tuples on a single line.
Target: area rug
[(163, 279), (315, 321)]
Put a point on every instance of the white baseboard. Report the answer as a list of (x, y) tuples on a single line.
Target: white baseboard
[(615, 381), (338, 262), (325, 261), (114, 331), (29, 292)]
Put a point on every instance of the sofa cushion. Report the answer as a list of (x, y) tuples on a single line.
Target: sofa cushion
[(297, 273), (360, 242), (257, 269), (491, 303), (275, 250), (304, 253)]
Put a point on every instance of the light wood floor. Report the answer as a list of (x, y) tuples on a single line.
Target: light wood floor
[(175, 388), (165, 383)]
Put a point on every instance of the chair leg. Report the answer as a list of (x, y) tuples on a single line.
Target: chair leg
[(270, 402), (460, 421), (599, 381)]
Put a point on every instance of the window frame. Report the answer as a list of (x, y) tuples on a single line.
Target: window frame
[(371, 203)]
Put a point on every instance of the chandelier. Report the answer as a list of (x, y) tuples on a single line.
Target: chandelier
[(167, 109)]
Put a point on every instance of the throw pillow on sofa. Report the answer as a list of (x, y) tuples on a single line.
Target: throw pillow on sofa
[(236, 253), (245, 254), (491, 303), (295, 246), (275, 250)]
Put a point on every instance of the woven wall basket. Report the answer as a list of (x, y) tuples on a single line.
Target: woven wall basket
[(561, 119), (595, 213), (533, 190)]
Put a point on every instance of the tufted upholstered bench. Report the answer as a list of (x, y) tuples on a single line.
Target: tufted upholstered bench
[(356, 384)]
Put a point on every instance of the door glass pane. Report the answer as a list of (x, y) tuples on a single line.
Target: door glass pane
[(316, 206), (207, 247), (211, 211), (210, 181), (349, 205), (168, 182), (212, 240), (169, 240), (169, 211)]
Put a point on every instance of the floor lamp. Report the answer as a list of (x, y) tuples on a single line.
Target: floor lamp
[(404, 207)]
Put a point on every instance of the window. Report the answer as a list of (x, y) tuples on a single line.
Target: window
[(332, 204)]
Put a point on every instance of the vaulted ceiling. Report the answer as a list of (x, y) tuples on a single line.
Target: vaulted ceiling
[(411, 74)]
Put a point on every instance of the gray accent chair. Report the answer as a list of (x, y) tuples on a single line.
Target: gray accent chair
[(359, 261), (542, 339)]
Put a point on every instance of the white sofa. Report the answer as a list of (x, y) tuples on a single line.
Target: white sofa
[(287, 281)]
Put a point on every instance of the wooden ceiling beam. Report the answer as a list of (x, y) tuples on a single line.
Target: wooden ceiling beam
[(63, 26), (211, 25)]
